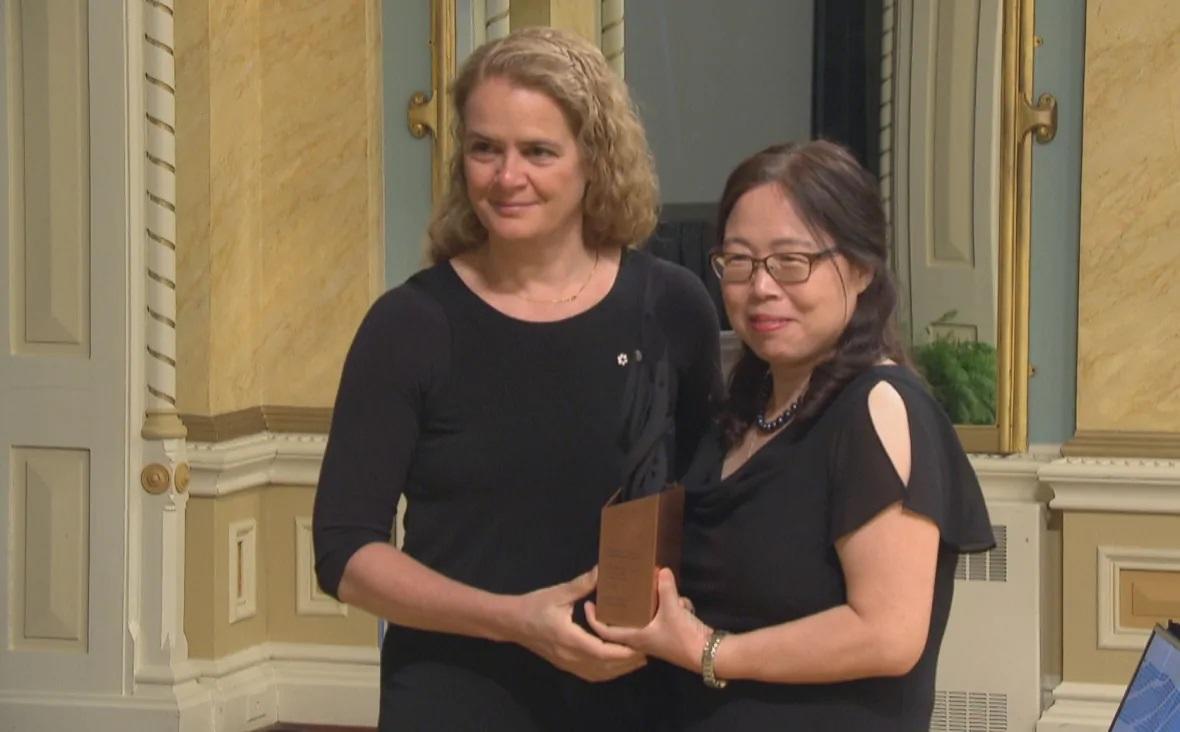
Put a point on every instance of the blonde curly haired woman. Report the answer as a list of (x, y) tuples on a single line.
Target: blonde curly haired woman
[(490, 390)]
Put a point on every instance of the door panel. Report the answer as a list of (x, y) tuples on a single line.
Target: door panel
[(63, 361)]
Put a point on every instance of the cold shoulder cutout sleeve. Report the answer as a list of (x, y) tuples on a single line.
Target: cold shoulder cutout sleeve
[(942, 484)]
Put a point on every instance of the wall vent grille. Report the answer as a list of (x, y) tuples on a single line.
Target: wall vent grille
[(969, 711), (991, 566)]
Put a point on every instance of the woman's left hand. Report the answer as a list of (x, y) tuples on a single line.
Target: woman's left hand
[(675, 634)]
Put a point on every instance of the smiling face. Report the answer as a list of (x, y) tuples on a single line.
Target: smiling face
[(789, 325), (524, 173)]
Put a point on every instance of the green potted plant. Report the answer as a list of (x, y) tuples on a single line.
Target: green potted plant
[(961, 375)]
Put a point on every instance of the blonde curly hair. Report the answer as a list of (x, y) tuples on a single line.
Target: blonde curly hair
[(621, 199)]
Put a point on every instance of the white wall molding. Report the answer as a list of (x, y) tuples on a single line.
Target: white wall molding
[(612, 35), (309, 598), (293, 682), (1014, 478), (243, 570), (149, 708), (1081, 707), (347, 696), (259, 685), (1124, 485), (222, 468), (158, 199), (1112, 634), (266, 653)]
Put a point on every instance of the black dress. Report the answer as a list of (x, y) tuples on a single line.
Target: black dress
[(779, 515), (504, 436)]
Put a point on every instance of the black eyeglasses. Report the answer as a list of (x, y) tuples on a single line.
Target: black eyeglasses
[(789, 268)]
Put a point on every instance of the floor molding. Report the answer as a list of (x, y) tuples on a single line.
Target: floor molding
[(293, 682), (249, 690), (1081, 707)]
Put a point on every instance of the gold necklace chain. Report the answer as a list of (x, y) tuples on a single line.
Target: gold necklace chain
[(563, 300)]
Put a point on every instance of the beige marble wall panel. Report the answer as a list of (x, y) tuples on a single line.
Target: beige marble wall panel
[(280, 197), (282, 505), (235, 200), (192, 207), (319, 232), (1128, 335), (1082, 659)]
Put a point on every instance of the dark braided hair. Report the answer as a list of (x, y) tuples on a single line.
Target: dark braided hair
[(840, 201)]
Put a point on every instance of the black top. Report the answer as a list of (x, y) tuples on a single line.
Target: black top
[(760, 551), (503, 434)]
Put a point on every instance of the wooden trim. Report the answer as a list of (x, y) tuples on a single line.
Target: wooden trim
[(1120, 443), (253, 420), (980, 438), (1015, 199), (302, 420)]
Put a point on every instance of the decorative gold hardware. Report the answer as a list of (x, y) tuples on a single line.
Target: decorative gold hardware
[(431, 112), (155, 479), (1041, 119), (182, 477), (422, 115)]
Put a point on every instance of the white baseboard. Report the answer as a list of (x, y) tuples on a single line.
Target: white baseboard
[(348, 696), (249, 690), (1081, 707), (186, 709), (290, 682)]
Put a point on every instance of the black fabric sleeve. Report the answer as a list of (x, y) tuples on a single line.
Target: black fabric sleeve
[(400, 351), (942, 484), (690, 322)]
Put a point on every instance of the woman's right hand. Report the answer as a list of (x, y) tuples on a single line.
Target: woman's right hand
[(544, 624)]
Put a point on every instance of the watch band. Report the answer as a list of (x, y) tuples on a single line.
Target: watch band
[(708, 656)]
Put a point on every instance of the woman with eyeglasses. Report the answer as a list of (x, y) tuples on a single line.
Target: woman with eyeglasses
[(491, 390), (827, 510)]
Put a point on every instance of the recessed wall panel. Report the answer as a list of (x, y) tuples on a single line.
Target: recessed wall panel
[(50, 561), (309, 598), (953, 139), (49, 134)]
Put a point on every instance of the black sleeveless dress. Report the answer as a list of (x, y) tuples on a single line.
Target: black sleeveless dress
[(779, 515)]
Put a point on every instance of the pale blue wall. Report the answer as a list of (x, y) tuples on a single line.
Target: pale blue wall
[(1056, 212), (715, 82), (405, 49)]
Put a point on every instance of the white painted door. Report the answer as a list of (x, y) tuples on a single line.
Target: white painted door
[(947, 205), (63, 356)]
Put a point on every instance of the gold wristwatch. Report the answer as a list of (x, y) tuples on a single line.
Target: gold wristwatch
[(707, 658)]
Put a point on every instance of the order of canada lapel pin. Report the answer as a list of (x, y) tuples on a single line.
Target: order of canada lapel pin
[(623, 358)]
